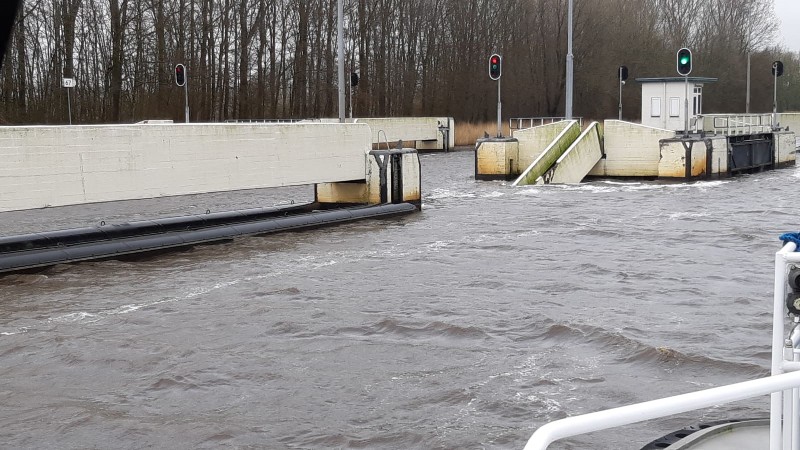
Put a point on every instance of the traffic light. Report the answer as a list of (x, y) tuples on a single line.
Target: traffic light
[(684, 62), (495, 66), (353, 79), (180, 75), (777, 68), (622, 73)]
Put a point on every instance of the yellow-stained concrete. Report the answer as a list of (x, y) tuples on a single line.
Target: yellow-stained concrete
[(344, 192), (674, 161), (496, 158)]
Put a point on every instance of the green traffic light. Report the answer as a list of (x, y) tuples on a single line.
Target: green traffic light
[(685, 60)]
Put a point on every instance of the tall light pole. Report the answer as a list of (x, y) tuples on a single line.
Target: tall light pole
[(568, 109), (340, 46), (747, 103)]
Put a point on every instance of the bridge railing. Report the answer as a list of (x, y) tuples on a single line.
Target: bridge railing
[(783, 385), (521, 123)]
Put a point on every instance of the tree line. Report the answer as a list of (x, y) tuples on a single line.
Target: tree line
[(277, 59)]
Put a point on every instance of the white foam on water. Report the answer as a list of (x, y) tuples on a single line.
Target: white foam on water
[(438, 194), (74, 317), (20, 330), (686, 215), (493, 194), (438, 245)]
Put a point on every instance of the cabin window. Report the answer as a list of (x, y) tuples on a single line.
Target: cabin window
[(697, 104), (655, 106), (674, 107)]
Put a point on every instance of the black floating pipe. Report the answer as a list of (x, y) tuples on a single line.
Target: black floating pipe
[(60, 238), (30, 251)]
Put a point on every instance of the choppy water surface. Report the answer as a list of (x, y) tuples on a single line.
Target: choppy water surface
[(467, 325)]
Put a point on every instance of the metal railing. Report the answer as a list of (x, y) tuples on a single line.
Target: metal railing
[(264, 120), (783, 385), (734, 124), (521, 123)]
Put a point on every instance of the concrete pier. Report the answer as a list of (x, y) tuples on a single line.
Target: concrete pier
[(426, 133), (627, 149), (65, 165)]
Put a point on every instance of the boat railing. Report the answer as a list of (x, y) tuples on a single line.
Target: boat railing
[(783, 385)]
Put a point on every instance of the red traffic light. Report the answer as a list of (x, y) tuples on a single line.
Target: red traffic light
[(180, 75), (495, 66)]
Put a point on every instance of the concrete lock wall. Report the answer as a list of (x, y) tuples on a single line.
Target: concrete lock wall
[(369, 191), (791, 120), (533, 141), (550, 155), (393, 129), (411, 180), (439, 143), (55, 165), (674, 160), (631, 150), (719, 154), (577, 160), (496, 158), (785, 147)]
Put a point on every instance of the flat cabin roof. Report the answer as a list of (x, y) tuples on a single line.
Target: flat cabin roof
[(676, 80)]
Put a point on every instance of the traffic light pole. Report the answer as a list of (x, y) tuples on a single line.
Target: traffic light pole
[(340, 51), (186, 97), (620, 91), (69, 107), (775, 99), (568, 95), (499, 111), (747, 102), (686, 106)]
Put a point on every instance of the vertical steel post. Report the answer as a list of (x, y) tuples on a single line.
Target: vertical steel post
[(568, 108), (186, 96), (340, 47), (775, 98), (69, 107), (619, 75), (778, 314), (686, 107), (499, 111), (747, 103)]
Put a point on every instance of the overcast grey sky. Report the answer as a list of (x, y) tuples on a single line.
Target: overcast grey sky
[(788, 11)]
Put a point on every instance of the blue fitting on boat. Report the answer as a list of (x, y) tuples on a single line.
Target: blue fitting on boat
[(791, 237)]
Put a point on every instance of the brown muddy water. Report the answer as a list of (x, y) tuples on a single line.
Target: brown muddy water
[(465, 326)]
